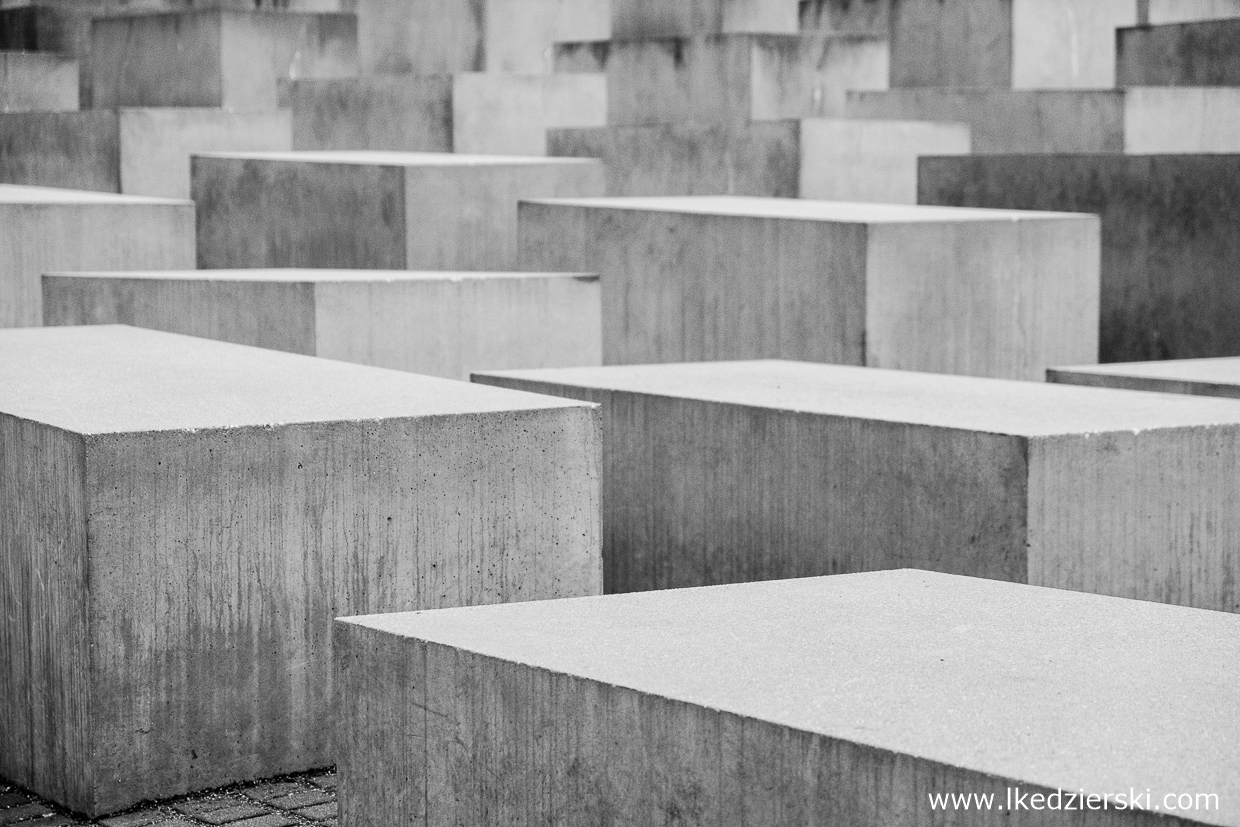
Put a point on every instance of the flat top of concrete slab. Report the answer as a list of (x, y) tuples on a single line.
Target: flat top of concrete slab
[(962, 402), (22, 194), (1221, 371), (116, 379), (805, 210), (1044, 686), (396, 159), (296, 275)]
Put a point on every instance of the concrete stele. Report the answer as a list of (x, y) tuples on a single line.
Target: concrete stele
[(373, 210), (401, 113), (188, 516), (979, 292), (509, 114), (34, 82), (1182, 54), (646, 19), (437, 324), (834, 700), (1200, 377)]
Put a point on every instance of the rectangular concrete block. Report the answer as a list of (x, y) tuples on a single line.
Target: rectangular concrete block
[(1144, 120), (34, 82), (862, 700), (438, 324), (979, 292), (725, 472), (857, 16), (403, 113), (1179, 54), (135, 151), (1169, 240), (49, 229), (186, 517), (644, 19), (215, 57), (1200, 377), (373, 210), (510, 114)]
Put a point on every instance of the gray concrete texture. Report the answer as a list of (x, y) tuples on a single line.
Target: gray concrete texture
[(1200, 377), (856, 16), (644, 19), (1182, 54), (834, 700), (188, 516), (979, 292), (33, 82), (49, 229), (373, 210), (1170, 238), (438, 324)]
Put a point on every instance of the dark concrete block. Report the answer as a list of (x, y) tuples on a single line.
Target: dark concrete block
[(1202, 53)]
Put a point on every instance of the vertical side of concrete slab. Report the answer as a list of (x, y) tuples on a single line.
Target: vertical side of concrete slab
[(1181, 11), (671, 80), (811, 76), (75, 150), (259, 49), (420, 37), (409, 114), (851, 16), (494, 114), (37, 82), (130, 59), (1178, 120), (951, 43), (520, 34), (1149, 515), (1067, 44), (44, 739)]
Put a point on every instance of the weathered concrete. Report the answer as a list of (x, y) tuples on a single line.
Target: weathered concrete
[(1182, 54), (643, 19), (1200, 377), (857, 16), (373, 210), (58, 229), (187, 517), (215, 57), (136, 151), (838, 700), (439, 324), (1170, 239), (980, 292), (402, 113), (732, 79), (510, 114), (33, 82), (1181, 11), (1136, 121), (724, 472)]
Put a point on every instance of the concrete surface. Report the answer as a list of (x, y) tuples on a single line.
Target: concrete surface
[(380, 112), (980, 292), (857, 16), (1169, 237), (373, 210), (510, 114), (34, 82), (643, 19), (837, 700), (1200, 377), (1136, 121), (59, 229), (1183, 54), (438, 324), (192, 514), (215, 57), (135, 151)]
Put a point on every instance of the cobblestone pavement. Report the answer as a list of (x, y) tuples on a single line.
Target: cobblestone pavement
[(305, 799)]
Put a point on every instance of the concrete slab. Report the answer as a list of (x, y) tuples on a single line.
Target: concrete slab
[(136, 151), (215, 57), (190, 515), (49, 229), (438, 324), (838, 700), (733, 79), (1200, 377), (1169, 237), (373, 210), (1180, 54), (510, 114), (403, 113), (34, 82), (980, 292), (856, 16), (1181, 11), (644, 19), (1137, 121)]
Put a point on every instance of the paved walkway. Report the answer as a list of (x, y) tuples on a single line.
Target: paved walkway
[(306, 799)]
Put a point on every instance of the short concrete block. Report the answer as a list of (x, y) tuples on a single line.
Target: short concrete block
[(49, 229), (34, 82), (373, 210), (1169, 241), (186, 517), (1199, 377), (980, 292), (872, 699), (402, 113), (1136, 121), (215, 57), (510, 114), (135, 151), (439, 324), (725, 472), (1181, 54), (854, 16), (645, 19)]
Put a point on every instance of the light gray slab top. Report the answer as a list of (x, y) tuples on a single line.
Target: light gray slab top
[(963, 402), (1042, 686), (1208, 377), (22, 194), (117, 379), (299, 275), (397, 159)]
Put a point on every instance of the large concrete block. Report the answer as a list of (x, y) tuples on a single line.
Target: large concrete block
[(1181, 54), (1200, 377), (57, 229), (858, 16), (1137, 121), (890, 699), (439, 324), (34, 82), (1170, 237), (510, 114), (731, 79), (724, 472), (136, 151), (373, 210), (643, 19), (402, 113), (215, 57), (980, 292), (185, 518)]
